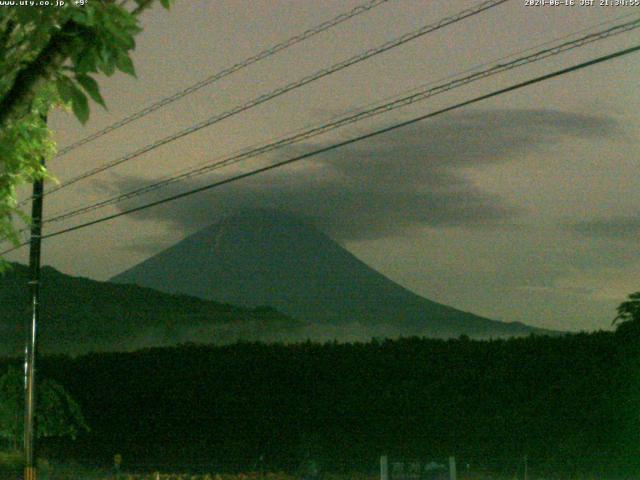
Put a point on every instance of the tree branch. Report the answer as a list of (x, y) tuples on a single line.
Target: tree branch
[(142, 6), (16, 103)]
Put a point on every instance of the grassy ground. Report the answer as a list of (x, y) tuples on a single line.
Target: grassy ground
[(11, 466)]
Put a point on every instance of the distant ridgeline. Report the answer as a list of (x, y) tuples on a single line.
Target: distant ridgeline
[(569, 404), (81, 315)]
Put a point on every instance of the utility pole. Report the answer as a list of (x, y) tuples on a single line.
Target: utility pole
[(31, 330)]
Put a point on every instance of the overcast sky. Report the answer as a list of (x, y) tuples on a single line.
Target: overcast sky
[(523, 207)]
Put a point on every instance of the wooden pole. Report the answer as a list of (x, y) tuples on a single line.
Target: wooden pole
[(31, 330)]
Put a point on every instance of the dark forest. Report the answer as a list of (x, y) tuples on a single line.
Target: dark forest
[(569, 404)]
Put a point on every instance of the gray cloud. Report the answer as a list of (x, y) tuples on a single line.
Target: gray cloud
[(389, 184), (620, 228)]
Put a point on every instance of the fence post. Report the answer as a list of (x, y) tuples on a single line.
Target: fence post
[(452, 468), (384, 467)]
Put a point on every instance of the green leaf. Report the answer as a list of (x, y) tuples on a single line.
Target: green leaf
[(80, 105), (120, 40), (87, 61), (166, 3), (91, 87), (69, 92), (79, 15), (27, 15), (125, 64), (90, 12), (65, 88), (106, 61)]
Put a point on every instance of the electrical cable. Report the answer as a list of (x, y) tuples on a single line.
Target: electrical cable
[(226, 72), (486, 5), (335, 146), (415, 96)]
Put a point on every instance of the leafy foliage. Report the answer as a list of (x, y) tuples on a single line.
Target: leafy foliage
[(22, 145), (11, 464), (629, 311), (57, 415), (628, 319), (50, 57)]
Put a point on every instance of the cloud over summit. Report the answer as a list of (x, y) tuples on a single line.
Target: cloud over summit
[(389, 184)]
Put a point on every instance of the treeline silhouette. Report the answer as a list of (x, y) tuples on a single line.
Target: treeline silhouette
[(570, 404)]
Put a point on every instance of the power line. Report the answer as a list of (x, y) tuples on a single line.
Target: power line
[(420, 95), (335, 146), (226, 72), (486, 5), (486, 64), (414, 97)]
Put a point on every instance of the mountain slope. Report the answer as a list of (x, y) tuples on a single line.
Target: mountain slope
[(80, 315), (269, 258)]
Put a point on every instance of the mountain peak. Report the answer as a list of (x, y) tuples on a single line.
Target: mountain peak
[(263, 221), (268, 257), (263, 215)]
